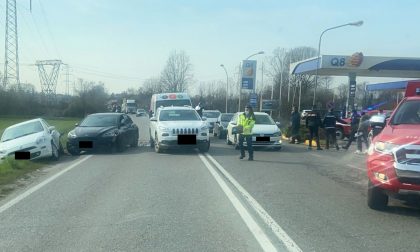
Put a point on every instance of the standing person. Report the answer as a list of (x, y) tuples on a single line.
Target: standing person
[(329, 125), (295, 121), (355, 119), (247, 121), (199, 109), (363, 132), (313, 122)]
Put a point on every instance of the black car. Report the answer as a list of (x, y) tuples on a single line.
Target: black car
[(220, 128), (103, 131)]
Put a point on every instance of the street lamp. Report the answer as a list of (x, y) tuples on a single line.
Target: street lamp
[(358, 23), (227, 86), (240, 88)]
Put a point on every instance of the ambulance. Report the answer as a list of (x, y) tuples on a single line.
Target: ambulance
[(169, 99), (393, 163)]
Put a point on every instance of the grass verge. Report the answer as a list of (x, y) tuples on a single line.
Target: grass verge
[(11, 169)]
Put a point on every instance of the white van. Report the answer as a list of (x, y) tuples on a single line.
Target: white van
[(169, 99)]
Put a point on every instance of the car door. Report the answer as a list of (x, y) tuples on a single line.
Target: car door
[(52, 133), (233, 122)]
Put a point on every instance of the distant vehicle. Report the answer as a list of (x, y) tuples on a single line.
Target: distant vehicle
[(141, 112), (265, 132), (108, 131), (222, 123), (31, 140), (305, 113), (393, 163), (178, 127), (169, 99), (129, 106), (211, 116)]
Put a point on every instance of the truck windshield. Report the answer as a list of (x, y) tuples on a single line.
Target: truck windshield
[(407, 113)]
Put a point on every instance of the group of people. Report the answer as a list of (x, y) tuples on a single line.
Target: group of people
[(313, 121)]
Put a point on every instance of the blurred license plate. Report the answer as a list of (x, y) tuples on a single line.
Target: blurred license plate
[(187, 139), (263, 139), (85, 144), (22, 155)]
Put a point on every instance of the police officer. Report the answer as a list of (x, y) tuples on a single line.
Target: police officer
[(247, 121), (329, 125), (313, 122)]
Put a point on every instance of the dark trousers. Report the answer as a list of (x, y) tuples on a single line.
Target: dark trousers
[(248, 139), (295, 135), (313, 132), (361, 138), (330, 135), (351, 138)]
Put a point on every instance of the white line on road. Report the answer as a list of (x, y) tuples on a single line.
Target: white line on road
[(316, 155), (255, 229), (25, 194), (277, 230)]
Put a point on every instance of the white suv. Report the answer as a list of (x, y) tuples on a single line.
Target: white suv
[(175, 127)]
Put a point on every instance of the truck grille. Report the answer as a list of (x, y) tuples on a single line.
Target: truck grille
[(408, 155), (184, 131), (406, 159)]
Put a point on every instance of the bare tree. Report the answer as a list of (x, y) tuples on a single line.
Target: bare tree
[(177, 73)]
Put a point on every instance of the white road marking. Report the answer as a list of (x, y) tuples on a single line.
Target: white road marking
[(25, 194), (277, 230), (316, 155), (253, 226)]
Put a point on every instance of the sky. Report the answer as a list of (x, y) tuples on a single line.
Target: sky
[(123, 43)]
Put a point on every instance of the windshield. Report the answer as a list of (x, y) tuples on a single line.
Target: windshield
[(178, 115), (22, 130), (226, 117), (211, 114), (407, 113), (100, 121), (168, 103), (264, 119)]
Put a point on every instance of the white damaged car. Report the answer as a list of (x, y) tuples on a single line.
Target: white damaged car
[(178, 127), (31, 139)]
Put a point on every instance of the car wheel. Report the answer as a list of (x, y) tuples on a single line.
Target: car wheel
[(228, 142), (204, 148), (339, 134), (277, 148), (55, 155), (376, 197), (157, 147), (135, 142)]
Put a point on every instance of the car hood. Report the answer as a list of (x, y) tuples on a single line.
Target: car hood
[(265, 129), (400, 134), (183, 124), (21, 142), (92, 131)]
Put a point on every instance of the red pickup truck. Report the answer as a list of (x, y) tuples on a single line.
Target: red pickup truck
[(393, 163)]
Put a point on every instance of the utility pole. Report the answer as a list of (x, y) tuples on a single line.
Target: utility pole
[(49, 80), (262, 84), (11, 57)]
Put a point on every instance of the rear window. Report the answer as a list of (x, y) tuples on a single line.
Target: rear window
[(264, 119), (178, 115)]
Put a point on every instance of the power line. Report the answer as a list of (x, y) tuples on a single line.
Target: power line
[(48, 28)]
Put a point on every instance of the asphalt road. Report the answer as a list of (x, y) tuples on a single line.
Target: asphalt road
[(138, 200)]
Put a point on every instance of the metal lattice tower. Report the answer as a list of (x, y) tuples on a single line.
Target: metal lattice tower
[(48, 78), (11, 58)]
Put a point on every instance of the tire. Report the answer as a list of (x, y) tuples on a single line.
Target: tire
[(228, 142), (277, 149), (135, 143), (55, 153), (376, 198), (158, 149), (204, 148), (339, 133), (74, 152)]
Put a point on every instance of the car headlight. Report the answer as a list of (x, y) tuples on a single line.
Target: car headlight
[(162, 128), (277, 134), (40, 140), (110, 133), (385, 147), (71, 134)]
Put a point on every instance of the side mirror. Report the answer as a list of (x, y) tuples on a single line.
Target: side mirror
[(153, 119), (278, 124), (76, 124), (204, 118), (51, 128)]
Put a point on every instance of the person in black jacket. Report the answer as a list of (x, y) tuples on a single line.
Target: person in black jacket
[(313, 122), (295, 121), (329, 125)]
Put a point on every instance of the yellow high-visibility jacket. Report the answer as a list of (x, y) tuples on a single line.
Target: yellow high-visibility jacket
[(247, 124)]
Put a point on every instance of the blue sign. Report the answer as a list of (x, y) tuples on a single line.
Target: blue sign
[(268, 105), (249, 71), (253, 99)]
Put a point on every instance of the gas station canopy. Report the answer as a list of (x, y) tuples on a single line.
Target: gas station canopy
[(368, 66), (390, 85)]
